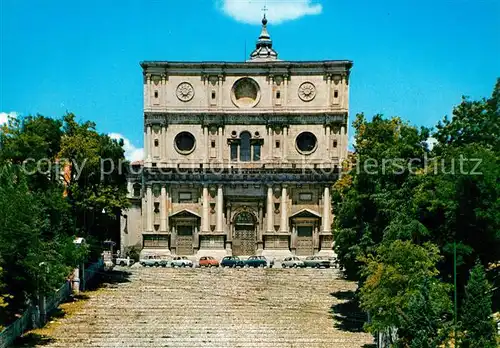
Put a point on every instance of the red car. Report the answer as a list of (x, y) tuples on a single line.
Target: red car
[(208, 261)]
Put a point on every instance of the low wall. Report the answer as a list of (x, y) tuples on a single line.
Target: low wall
[(31, 318)]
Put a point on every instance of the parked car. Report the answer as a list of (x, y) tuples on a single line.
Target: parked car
[(292, 261), (181, 261), (255, 261), (124, 261), (153, 261), (232, 261), (316, 262), (208, 261)]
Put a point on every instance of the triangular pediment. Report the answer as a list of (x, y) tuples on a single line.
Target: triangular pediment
[(184, 213), (306, 213)]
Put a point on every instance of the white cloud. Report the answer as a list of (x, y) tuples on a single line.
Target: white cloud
[(4, 116), (132, 153), (279, 11)]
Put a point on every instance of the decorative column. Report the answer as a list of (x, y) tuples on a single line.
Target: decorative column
[(148, 142), (173, 239), (326, 210), (285, 143), (146, 148), (206, 211), (285, 94), (229, 230), (219, 100), (196, 239), (329, 88), (221, 144), (149, 208), (316, 239), (271, 92), (327, 140), (220, 210), (260, 229), (163, 209), (164, 145), (207, 145), (294, 238), (342, 144), (270, 145), (269, 209), (284, 210)]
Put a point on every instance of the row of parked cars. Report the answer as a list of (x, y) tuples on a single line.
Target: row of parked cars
[(235, 262)]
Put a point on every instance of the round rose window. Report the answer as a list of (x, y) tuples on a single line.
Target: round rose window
[(245, 93), (184, 143), (306, 142)]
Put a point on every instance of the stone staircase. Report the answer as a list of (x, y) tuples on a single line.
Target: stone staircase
[(165, 307)]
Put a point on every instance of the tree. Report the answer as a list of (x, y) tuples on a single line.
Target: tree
[(96, 187), (376, 190), (402, 291), (477, 325)]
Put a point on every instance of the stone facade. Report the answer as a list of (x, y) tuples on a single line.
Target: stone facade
[(239, 156)]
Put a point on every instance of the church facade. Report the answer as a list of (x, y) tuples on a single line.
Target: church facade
[(239, 156)]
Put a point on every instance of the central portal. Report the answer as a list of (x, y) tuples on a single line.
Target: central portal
[(244, 238)]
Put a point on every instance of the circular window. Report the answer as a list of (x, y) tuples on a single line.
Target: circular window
[(184, 143), (245, 93), (306, 143)]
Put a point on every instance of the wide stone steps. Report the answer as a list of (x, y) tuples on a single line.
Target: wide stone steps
[(165, 307)]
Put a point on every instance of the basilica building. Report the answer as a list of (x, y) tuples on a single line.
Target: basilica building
[(240, 157)]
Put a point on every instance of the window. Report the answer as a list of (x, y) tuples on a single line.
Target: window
[(184, 143), (306, 142), (213, 143), (335, 143), (156, 142), (277, 144), (155, 241), (153, 164), (278, 94), (256, 152), (336, 94), (305, 196), (185, 230), (157, 207), (156, 94), (185, 197), (245, 147), (234, 152), (304, 231), (213, 94), (137, 190)]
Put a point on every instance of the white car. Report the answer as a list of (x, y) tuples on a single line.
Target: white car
[(153, 261), (124, 261), (181, 261), (292, 261)]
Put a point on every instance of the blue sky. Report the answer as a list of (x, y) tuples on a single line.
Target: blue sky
[(411, 58)]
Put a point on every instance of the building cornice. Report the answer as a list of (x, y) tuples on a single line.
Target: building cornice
[(341, 67), (270, 119)]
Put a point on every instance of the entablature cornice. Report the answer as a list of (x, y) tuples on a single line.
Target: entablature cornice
[(259, 176), (283, 68), (222, 119)]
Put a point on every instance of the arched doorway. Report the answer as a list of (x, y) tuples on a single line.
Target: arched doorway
[(244, 238)]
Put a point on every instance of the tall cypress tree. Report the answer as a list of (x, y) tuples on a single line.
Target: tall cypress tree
[(478, 327)]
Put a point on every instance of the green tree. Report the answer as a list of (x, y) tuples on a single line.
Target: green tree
[(477, 325), (96, 186), (375, 191), (402, 291)]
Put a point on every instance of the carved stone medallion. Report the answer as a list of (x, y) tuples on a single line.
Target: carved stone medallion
[(307, 91), (185, 91)]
